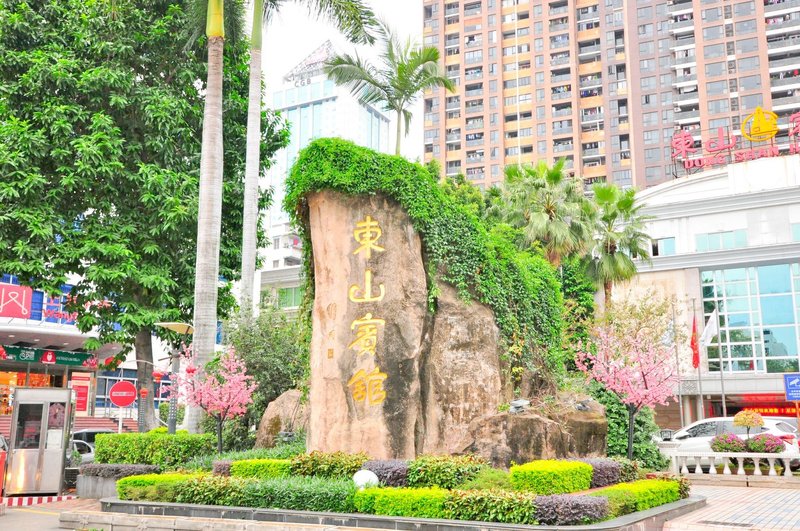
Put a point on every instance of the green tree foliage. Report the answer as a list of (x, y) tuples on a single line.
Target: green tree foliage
[(578, 290), (644, 449), (275, 351), (100, 122), (405, 71), (619, 236), (521, 289)]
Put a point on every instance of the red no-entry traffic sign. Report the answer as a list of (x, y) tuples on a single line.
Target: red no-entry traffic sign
[(122, 394)]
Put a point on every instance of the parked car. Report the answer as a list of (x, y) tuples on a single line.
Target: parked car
[(89, 435), (85, 450), (696, 437)]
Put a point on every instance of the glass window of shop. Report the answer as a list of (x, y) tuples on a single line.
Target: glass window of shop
[(759, 317)]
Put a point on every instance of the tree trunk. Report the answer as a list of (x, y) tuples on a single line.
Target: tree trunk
[(251, 175), (143, 343), (219, 435), (209, 219), (607, 292), (399, 132), (631, 420)]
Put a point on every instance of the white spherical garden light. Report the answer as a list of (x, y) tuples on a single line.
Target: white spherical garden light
[(365, 478)]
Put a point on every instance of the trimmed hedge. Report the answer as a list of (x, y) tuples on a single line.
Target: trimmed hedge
[(327, 465), (390, 472), (551, 476), (488, 478), (444, 471), (630, 469), (211, 490), (152, 448), (564, 509), (605, 471), (412, 503), (641, 495), (281, 451), (492, 506), (113, 471), (151, 487), (261, 468)]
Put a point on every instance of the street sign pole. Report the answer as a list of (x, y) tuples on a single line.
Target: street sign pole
[(119, 415)]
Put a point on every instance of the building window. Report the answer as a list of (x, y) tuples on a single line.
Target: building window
[(715, 241), (796, 232), (290, 297), (758, 318), (664, 247)]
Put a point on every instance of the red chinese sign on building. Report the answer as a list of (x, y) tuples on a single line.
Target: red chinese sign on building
[(720, 149)]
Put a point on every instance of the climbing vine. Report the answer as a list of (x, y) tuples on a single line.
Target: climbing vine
[(522, 290)]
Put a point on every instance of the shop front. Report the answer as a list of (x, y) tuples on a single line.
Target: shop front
[(44, 368)]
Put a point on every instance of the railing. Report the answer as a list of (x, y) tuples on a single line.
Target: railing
[(770, 7), (680, 462)]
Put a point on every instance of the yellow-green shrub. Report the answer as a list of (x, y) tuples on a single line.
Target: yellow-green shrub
[(551, 476), (151, 487), (412, 503), (626, 498), (261, 468)]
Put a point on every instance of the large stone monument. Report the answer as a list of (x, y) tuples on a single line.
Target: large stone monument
[(402, 362)]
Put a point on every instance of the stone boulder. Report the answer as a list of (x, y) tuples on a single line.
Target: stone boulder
[(285, 413), (503, 438)]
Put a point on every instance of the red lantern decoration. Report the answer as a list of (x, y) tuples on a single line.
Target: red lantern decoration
[(157, 375), (191, 370), (143, 392)]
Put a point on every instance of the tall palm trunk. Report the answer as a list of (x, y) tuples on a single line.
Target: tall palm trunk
[(209, 215), (251, 172), (399, 132), (607, 292)]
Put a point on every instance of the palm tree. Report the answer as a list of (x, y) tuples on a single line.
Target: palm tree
[(619, 236), (209, 215), (550, 208), (354, 19), (405, 71)]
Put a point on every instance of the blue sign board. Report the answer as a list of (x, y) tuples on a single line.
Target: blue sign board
[(791, 384)]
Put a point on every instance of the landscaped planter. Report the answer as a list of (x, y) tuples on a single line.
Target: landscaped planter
[(650, 519)]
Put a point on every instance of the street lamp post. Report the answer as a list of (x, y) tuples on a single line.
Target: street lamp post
[(172, 417)]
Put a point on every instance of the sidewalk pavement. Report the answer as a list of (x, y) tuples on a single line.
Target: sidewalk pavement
[(43, 517), (741, 508)]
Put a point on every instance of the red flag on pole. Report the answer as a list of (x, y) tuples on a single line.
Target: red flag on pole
[(695, 346)]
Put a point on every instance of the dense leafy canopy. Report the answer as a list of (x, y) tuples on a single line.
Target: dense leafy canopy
[(522, 289), (100, 122)]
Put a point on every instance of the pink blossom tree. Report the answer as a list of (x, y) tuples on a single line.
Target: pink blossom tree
[(223, 389), (634, 364)]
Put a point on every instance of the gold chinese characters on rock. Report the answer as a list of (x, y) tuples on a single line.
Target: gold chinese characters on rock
[(367, 386)]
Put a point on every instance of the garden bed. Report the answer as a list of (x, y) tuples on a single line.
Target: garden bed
[(649, 519)]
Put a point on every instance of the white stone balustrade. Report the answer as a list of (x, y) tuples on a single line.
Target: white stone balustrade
[(684, 462)]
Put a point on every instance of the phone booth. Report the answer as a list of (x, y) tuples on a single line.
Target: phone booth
[(39, 438)]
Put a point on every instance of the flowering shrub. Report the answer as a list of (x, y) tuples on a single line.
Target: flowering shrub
[(727, 442), (765, 443), (748, 419)]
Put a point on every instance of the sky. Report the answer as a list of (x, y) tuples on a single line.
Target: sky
[(293, 34)]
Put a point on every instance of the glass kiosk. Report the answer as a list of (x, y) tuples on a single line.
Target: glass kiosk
[(40, 428)]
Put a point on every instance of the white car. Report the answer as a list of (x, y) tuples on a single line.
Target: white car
[(696, 437)]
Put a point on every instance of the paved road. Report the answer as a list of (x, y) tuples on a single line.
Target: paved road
[(43, 517), (742, 509)]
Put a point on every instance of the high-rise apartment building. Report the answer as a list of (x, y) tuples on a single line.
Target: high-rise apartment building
[(315, 107), (605, 84)]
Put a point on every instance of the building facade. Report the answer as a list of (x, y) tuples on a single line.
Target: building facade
[(316, 108), (605, 84), (728, 239)]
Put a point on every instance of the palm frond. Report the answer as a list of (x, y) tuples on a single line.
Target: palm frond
[(364, 80), (353, 17)]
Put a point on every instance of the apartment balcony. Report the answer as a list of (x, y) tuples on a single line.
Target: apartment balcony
[(684, 61), (777, 84), (683, 40), (472, 12), (590, 118), (685, 99), (451, 11), (790, 62), (453, 43), (475, 160), (562, 112), (561, 131), (783, 44), (473, 109), (592, 15), (472, 77), (476, 142), (453, 170), (454, 106), (588, 50), (562, 95), (679, 7), (687, 116), (783, 27), (560, 77), (473, 93), (474, 125), (473, 60), (785, 102), (559, 10), (473, 44), (555, 45), (561, 148), (685, 80), (682, 26), (591, 153), (559, 61), (453, 137), (777, 7), (586, 83), (558, 27)]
